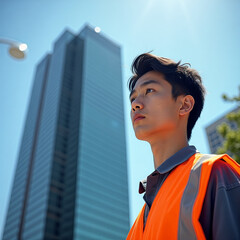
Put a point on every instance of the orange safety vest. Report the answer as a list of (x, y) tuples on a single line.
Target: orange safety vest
[(177, 206)]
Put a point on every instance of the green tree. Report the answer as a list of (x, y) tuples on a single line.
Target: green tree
[(231, 136)]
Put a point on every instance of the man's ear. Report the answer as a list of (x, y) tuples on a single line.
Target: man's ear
[(187, 105)]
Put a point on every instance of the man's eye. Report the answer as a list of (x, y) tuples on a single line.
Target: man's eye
[(149, 90), (132, 99)]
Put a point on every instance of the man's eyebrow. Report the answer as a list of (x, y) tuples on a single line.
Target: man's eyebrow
[(144, 84)]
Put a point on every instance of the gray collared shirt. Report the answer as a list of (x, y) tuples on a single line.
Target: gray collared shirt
[(220, 216)]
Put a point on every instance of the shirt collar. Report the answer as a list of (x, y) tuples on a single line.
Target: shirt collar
[(179, 157)]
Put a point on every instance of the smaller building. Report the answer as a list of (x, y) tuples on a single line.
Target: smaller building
[(215, 140)]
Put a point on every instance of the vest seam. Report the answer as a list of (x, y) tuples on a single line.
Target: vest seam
[(229, 186)]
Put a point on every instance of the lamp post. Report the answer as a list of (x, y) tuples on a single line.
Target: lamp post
[(16, 49)]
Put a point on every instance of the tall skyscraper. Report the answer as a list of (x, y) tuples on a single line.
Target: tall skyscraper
[(71, 178), (215, 140)]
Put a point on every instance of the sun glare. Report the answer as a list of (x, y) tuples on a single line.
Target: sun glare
[(23, 47), (97, 29)]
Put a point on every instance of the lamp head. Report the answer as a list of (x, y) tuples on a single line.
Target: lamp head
[(18, 51)]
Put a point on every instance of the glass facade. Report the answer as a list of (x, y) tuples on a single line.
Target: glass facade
[(102, 210), (71, 179), (17, 205)]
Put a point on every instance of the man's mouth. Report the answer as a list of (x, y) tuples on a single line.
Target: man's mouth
[(138, 117)]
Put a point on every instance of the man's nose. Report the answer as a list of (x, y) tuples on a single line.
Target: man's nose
[(136, 105)]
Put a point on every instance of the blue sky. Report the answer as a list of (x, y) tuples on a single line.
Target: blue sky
[(202, 32)]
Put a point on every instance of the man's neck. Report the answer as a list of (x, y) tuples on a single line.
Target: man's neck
[(163, 149)]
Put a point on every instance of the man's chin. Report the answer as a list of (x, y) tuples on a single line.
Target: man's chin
[(141, 136)]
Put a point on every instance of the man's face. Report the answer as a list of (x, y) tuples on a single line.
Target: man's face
[(154, 112)]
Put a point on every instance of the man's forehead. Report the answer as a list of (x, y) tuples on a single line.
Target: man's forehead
[(152, 75)]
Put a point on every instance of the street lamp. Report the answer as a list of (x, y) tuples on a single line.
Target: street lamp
[(16, 49)]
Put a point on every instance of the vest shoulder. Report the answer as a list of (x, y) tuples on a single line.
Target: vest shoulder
[(224, 175), (209, 160)]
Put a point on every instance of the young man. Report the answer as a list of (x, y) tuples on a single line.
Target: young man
[(189, 195)]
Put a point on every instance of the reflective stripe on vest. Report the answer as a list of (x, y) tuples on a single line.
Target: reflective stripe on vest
[(185, 227), (177, 206)]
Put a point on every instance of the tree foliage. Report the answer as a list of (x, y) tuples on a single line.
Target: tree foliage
[(231, 135)]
